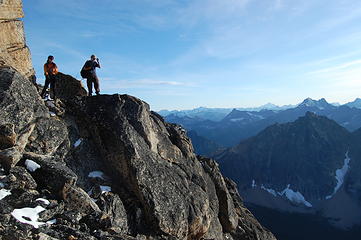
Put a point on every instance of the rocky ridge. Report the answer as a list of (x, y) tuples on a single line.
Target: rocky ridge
[(13, 49), (107, 167)]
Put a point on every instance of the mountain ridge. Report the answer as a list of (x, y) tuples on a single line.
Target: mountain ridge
[(303, 166)]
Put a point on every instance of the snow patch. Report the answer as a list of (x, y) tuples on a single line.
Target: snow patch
[(105, 188), (50, 222), (4, 193), (254, 183), (293, 196), (52, 114), (1, 185), (236, 119), (340, 175), (96, 174), (43, 200), (31, 165), (290, 194), (77, 143), (271, 191), (28, 215)]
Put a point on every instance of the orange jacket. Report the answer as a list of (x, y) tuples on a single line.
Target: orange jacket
[(50, 68)]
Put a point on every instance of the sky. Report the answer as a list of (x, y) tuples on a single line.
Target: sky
[(183, 54)]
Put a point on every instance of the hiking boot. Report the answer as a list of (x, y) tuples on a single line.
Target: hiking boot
[(90, 94), (97, 93)]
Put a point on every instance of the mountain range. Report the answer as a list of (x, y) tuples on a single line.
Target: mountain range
[(238, 125)]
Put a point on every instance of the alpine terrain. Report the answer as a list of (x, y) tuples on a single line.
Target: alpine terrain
[(102, 167)]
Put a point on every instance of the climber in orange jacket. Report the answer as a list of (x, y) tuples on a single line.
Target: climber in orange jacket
[(50, 71)]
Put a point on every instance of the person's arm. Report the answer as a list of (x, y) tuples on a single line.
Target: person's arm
[(45, 70), (98, 63), (56, 70)]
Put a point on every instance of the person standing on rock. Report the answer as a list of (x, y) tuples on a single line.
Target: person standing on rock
[(50, 71), (91, 75)]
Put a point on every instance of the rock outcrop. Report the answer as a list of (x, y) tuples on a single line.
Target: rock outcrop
[(110, 169), (13, 49)]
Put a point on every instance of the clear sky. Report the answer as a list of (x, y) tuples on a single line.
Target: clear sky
[(182, 54)]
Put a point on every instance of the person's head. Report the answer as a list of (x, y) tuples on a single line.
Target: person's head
[(50, 58), (93, 57)]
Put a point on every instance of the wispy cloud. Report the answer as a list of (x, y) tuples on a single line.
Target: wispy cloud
[(112, 83), (338, 67)]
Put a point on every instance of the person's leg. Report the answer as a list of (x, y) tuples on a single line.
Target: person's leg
[(52, 85), (96, 84), (47, 82), (90, 87)]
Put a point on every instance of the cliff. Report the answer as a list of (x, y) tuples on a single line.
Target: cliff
[(106, 167), (13, 49)]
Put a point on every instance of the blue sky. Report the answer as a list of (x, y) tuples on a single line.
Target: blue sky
[(182, 54)]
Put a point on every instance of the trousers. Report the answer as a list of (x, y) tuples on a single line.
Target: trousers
[(49, 80), (93, 79)]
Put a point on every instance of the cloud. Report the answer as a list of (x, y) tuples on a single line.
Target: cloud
[(112, 83), (337, 67)]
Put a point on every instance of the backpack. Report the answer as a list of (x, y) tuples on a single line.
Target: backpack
[(85, 73)]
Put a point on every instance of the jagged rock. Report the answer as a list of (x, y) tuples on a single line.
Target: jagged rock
[(138, 151), (77, 198), (13, 49), (227, 214), (53, 175), (20, 106), (51, 212), (67, 87), (23, 180), (113, 212), (48, 138), (43, 236), (67, 233), (155, 161), (7, 136), (20, 198)]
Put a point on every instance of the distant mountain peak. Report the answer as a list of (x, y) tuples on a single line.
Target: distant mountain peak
[(355, 104), (309, 102)]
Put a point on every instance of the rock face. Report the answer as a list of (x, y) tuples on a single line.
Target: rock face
[(13, 49), (110, 168)]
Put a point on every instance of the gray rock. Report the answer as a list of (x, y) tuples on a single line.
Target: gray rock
[(52, 175), (77, 199), (114, 213), (20, 103), (67, 87), (23, 179), (7, 136)]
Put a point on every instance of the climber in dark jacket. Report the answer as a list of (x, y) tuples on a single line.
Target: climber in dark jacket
[(92, 77), (50, 71)]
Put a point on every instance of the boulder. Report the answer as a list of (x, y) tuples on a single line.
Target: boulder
[(67, 87), (137, 149), (114, 213), (52, 175), (77, 199)]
